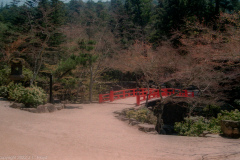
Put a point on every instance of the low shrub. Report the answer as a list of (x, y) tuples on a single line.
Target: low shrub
[(30, 96), (4, 73), (233, 115), (143, 115), (194, 126), (3, 91)]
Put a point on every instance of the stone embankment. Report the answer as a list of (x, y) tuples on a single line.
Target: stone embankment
[(46, 108), (145, 127)]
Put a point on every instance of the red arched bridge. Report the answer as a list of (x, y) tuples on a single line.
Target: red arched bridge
[(142, 94)]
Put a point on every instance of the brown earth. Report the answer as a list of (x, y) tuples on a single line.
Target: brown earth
[(91, 132)]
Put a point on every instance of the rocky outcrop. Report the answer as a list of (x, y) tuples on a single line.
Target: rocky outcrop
[(47, 108), (17, 105), (50, 107), (33, 110), (145, 127), (42, 109), (59, 106), (230, 128)]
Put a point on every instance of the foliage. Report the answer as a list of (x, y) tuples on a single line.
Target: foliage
[(143, 115), (233, 115), (194, 126), (28, 74), (36, 28), (4, 73), (3, 91), (237, 101), (30, 96), (212, 110), (69, 83)]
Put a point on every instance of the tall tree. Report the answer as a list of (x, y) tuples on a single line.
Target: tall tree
[(139, 12)]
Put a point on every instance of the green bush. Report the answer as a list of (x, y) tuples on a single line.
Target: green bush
[(3, 91), (233, 115), (4, 74), (30, 96), (28, 74), (211, 110), (143, 115), (194, 126)]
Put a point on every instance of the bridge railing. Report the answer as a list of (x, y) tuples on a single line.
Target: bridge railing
[(115, 95), (142, 94)]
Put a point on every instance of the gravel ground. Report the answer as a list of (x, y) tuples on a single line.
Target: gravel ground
[(91, 132)]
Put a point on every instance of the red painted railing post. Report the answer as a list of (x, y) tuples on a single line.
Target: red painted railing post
[(100, 98), (133, 92), (138, 99), (124, 96), (186, 93), (192, 94), (111, 96)]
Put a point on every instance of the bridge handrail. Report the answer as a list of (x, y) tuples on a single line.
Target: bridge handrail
[(141, 94)]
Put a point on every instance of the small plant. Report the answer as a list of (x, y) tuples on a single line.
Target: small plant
[(143, 115)]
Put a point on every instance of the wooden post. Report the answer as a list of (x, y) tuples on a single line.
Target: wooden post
[(138, 97), (100, 98), (186, 93), (111, 95)]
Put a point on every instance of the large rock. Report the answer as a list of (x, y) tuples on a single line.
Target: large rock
[(33, 110), (145, 127), (231, 128), (59, 106), (50, 107), (42, 109), (17, 105), (118, 112), (133, 123)]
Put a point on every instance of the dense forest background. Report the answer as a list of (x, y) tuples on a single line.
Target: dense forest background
[(187, 44)]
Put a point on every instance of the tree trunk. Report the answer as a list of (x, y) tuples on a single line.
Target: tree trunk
[(217, 8), (90, 84), (146, 105), (78, 90)]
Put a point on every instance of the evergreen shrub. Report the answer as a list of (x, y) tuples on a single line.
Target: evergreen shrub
[(143, 115), (194, 126), (30, 96), (3, 91)]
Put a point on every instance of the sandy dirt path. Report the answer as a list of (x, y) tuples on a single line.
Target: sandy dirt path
[(91, 132)]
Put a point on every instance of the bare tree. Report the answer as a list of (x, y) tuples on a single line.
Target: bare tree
[(201, 61)]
